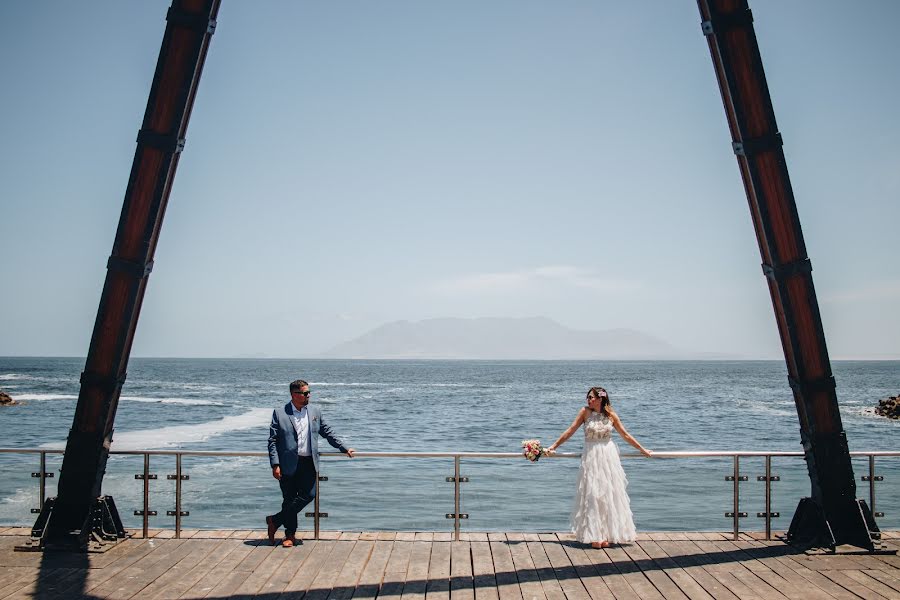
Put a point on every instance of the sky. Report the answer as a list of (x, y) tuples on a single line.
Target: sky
[(352, 163)]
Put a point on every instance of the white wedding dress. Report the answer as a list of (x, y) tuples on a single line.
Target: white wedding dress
[(601, 511)]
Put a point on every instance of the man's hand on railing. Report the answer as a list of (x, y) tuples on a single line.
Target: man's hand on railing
[(350, 452)]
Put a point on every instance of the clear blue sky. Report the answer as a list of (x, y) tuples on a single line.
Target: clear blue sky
[(353, 163)]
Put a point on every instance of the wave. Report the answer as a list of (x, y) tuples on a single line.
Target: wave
[(185, 401), (45, 397), (11, 376), (176, 435)]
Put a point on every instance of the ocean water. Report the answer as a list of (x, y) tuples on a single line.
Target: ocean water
[(426, 406)]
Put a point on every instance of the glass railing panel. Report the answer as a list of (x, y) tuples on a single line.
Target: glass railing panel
[(386, 494)]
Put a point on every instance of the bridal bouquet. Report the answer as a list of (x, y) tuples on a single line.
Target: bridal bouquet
[(532, 449)]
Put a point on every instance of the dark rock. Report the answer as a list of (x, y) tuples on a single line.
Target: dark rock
[(6, 400), (889, 407)]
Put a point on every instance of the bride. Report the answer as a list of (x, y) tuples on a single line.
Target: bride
[(601, 513)]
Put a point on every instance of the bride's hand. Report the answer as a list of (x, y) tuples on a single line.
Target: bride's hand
[(549, 451), (647, 453)]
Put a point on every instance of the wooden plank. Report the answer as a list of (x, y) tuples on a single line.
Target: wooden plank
[(884, 577), (416, 581), (483, 576), (424, 536), (406, 536), (504, 571), (133, 579), (346, 581), (443, 536), (270, 560), (686, 584), (652, 571), (843, 579), (529, 582), (642, 586), (816, 579), (350, 535), (114, 561), (686, 556), (474, 536), (387, 535), (195, 551), (873, 584), (438, 586), (203, 576), (234, 551), (28, 582), (370, 581), (776, 574), (231, 582), (462, 585), (65, 582), (240, 534), (544, 571), (565, 572), (294, 558), (306, 571), (395, 570), (599, 577), (496, 536), (724, 564), (327, 575)]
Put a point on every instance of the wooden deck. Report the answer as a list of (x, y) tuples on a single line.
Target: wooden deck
[(413, 566)]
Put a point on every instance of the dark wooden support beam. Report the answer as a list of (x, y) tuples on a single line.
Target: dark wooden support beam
[(190, 25), (832, 515)]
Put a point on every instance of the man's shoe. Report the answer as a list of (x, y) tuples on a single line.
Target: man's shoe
[(272, 528), (288, 542)]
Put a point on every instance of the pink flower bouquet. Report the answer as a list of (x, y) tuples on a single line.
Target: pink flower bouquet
[(532, 449)]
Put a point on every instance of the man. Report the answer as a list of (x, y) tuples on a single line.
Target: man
[(294, 456)]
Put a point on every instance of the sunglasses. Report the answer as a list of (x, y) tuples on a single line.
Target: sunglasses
[(306, 393)]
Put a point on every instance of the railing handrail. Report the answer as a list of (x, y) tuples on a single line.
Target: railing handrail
[(363, 454), (734, 455)]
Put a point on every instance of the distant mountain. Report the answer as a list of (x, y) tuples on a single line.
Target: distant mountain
[(502, 338)]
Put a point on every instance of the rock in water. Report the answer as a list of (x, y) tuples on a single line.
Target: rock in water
[(889, 407), (6, 400)]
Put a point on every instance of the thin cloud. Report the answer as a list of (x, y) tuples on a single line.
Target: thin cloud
[(527, 279)]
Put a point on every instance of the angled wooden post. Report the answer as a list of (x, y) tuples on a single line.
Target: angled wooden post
[(832, 515), (160, 140)]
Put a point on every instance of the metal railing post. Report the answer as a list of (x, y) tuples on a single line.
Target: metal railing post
[(178, 496), (768, 497), (43, 478), (871, 483), (456, 497), (146, 517), (318, 485), (737, 496)]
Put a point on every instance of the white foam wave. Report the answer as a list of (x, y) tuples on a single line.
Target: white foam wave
[(176, 435), (11, 376), (20, 496), (45, 397), (354, 384), (186, 401)]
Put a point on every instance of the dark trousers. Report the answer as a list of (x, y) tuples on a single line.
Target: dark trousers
[(298, 490)]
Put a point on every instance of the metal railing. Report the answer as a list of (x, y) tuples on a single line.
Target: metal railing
[(179, 476)]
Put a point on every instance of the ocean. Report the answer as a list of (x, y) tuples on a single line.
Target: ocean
[(445, 406)]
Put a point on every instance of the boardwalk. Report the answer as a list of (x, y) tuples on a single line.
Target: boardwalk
[(413, 566)]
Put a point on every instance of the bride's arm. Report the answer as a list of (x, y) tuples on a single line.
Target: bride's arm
[(568, 432), (617, 423)]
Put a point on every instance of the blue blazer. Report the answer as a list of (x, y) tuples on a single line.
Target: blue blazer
[(283, 437)]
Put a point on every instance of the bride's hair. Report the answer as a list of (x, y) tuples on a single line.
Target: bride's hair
[(604, 400)]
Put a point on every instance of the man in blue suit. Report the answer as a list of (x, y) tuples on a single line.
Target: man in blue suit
[(294, 456)]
